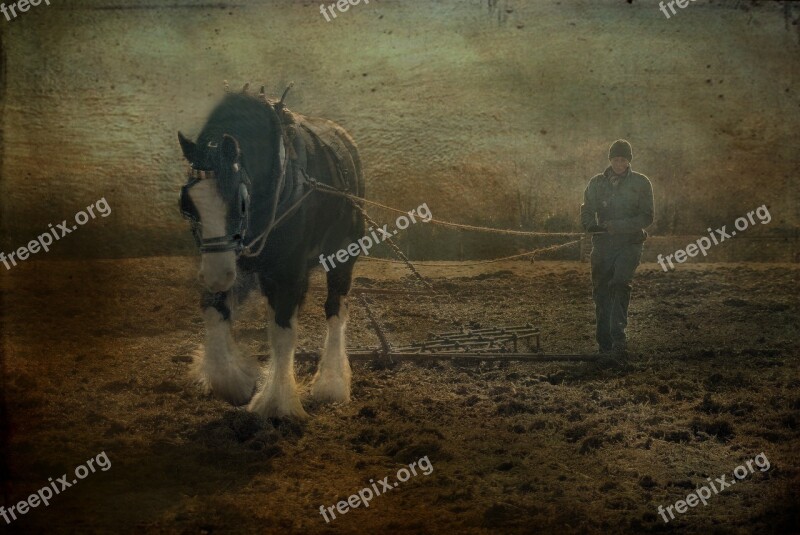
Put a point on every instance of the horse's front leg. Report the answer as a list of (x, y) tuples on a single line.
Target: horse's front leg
[(220, 368), (278, 397)]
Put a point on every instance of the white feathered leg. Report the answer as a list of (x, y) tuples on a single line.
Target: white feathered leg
[(219, 367), (332, 381), (278, 396)]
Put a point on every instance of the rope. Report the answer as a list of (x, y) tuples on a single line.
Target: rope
[(333, 191), (506, 232), (479, 263)]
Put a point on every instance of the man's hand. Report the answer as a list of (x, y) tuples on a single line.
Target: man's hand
[(596, 229)]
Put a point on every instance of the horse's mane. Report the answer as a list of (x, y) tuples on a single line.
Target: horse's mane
[(253, 123)]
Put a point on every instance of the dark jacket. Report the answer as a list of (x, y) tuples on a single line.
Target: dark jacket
[(626, 210)]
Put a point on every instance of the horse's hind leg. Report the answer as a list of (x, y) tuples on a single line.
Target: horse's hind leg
[(220, 368), (278, 396), (332, 381)]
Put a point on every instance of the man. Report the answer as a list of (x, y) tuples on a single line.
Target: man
[(617, 207)]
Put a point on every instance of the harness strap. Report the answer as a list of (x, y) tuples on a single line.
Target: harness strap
[(219, 244), (247, 250), (201, 174)]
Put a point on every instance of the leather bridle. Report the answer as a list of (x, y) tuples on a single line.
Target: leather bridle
[(233, 241)]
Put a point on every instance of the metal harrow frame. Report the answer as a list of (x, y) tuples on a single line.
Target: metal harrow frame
[(463, 345)]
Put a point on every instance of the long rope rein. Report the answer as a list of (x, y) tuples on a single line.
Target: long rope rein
[(355, 200), (333, 191), (481, 262)]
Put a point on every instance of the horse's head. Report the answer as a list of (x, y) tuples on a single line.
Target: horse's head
[(216, 200)]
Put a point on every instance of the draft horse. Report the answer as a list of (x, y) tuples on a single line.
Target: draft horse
[(258, 221)]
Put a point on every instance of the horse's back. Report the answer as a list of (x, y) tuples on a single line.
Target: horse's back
[(333, 137)]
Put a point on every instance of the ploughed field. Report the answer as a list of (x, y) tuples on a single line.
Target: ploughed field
[(97, 359)]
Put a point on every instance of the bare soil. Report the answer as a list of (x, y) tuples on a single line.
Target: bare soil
[(97, 355)]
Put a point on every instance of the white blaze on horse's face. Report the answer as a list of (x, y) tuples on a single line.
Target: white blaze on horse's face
[(217, 270)]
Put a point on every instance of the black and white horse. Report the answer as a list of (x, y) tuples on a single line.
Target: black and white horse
[(253, 165)]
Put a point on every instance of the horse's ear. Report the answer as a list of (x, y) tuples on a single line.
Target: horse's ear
[(188, 147), (230, 149)]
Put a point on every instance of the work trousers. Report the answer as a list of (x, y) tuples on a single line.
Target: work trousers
[(612, 272)]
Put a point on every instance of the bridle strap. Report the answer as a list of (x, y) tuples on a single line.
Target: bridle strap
[(220, 244)]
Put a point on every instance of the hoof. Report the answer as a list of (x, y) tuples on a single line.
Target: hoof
[(331, 388), (233, 381), (271, 405)]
